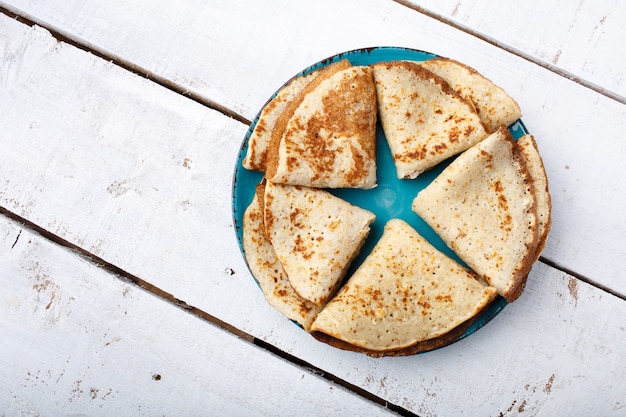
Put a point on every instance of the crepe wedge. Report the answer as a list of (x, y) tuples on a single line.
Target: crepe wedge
[(404, 298), (277, 111), (326, 137), (424, 119), (259, 140), (267, 269), (316, 236), (494, 106), (530, 153), (483, 207)]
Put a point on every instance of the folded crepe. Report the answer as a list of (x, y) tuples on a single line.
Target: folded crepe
[(316, 236), (494, 106), (259, 140), (483, 207), (424, 119), (267, 269), (530, 153), (405, 293), (326, 137)]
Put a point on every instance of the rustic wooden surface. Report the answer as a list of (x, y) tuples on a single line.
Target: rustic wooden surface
[(579, 39), (119, 131), (78, 340)]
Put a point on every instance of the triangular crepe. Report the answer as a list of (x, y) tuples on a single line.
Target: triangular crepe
[(316, 235), (259, 140), (424, 119), (494, 106), (483, 207), (404, 293), (267, 269), (532, 159), (327, 137)]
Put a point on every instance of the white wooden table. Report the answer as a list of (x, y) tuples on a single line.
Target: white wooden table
[(122, 287)]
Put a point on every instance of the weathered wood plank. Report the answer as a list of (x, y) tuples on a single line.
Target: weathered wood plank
[(580, 38), (558, 350), (190, 44), (137, 182), (120, 167), (562, 114), (78, 340)]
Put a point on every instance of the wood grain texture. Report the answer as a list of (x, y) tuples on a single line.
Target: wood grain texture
[(581, 38), (77, 340), (141, 177), (170, 39), (563, 115), (558, 350), (101, 150)]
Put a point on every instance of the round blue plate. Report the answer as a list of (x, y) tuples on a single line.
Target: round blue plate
[(392, 198)]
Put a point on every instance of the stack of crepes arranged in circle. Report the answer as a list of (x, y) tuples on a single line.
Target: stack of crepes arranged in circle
[(490, 205)]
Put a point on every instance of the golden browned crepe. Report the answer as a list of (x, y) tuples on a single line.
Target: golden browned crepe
[(404, 293), (315, 235), (483, 206), (259, 140), (532, 159), (267, 269), (494, 106), (327, 137), (424, 119)]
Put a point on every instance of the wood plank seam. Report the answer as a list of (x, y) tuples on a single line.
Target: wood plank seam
[(169, 298), (128, 66), (66, 338), (544, 64), (120, 273), (411, 386), (234, 115), (317, 371), (582, 278)]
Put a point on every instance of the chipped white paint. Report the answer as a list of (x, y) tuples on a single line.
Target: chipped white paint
[(77, 340), (579, 37), (171, 40), (141, 177), (562, 114)]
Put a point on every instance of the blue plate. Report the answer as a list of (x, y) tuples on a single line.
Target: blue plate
[(392, 198)]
